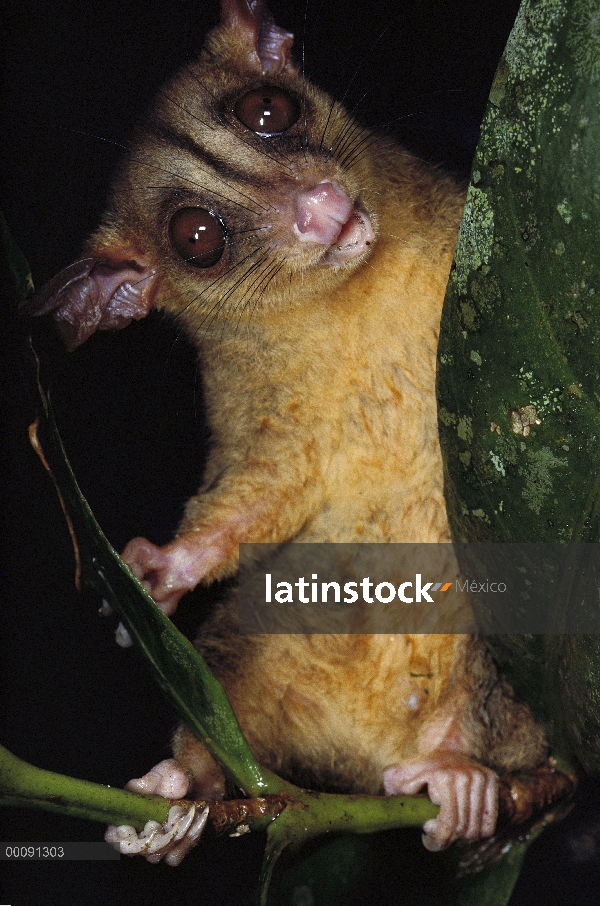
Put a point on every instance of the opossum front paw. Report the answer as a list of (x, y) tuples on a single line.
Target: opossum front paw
[(466, 792), (181, 831), (168, 572), (153, 567)]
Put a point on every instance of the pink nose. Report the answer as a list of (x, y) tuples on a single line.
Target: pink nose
[(321, 212)]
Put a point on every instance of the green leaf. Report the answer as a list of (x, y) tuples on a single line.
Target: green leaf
[(520, 317), (519, 354), (181, 673)]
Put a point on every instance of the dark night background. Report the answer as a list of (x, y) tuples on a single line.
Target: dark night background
[(129, 404)]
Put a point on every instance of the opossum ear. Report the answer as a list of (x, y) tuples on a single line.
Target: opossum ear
[(95, 294), (253, 22)]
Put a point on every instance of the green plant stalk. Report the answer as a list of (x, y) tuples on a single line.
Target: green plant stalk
[(25, 786), (313, 814), (306, 815)]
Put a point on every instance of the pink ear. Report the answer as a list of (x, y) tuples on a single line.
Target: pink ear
[(93, 294), (253, 21)]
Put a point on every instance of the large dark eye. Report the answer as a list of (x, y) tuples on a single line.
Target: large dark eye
[(198, 236), (267, 111)]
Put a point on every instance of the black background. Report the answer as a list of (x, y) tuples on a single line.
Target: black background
[(77, 75)]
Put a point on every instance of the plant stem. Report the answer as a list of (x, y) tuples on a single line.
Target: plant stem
[(26, 786)]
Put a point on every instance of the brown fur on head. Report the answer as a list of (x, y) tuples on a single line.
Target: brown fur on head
[(192, 150), (211, 167)]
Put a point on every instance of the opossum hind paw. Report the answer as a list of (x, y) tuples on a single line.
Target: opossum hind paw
[(466, 792)]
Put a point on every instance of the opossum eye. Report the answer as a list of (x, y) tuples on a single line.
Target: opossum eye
[(198, 236), (267, 111)]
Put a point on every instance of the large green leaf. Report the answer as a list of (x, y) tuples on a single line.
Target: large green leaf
[(519, 355), (176, 666)]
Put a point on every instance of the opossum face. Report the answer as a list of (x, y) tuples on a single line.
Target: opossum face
[(244, 188)]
